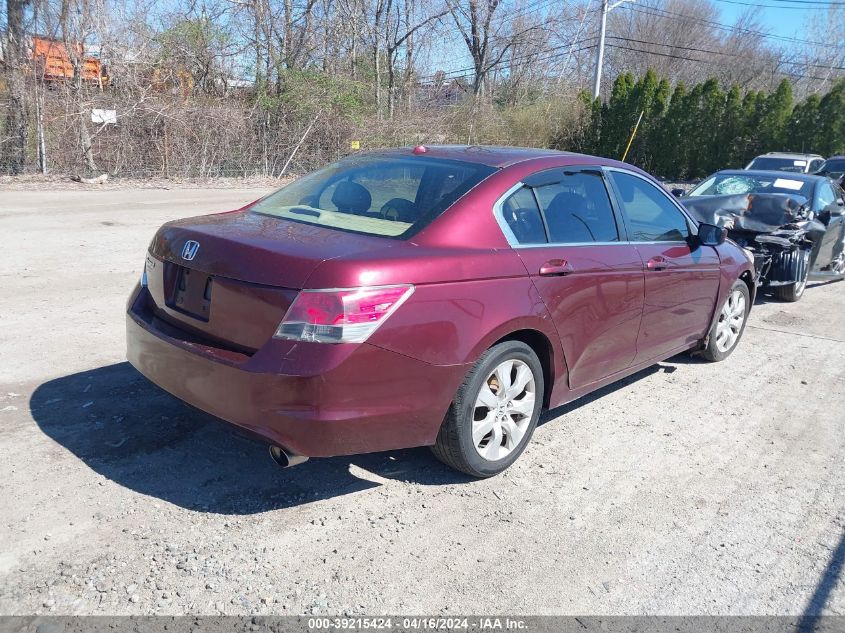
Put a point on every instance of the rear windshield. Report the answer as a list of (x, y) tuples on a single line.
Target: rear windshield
[(726, 184), (375, 195), (779, 164)]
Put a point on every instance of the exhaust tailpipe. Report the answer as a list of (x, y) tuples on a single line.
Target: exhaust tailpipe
[(285, 458)]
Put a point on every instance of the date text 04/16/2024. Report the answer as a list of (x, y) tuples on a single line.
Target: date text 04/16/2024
[(418, 624)]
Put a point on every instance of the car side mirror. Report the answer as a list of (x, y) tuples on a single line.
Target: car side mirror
[(712, 235), (678, 193)]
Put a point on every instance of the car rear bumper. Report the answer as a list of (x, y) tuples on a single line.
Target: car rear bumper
[(313, 399)]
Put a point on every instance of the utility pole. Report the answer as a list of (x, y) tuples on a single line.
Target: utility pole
[(606, 8)]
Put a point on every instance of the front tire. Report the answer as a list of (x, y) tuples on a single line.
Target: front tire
[(793, 292), (726, 332), (494, 412), (837, 267)]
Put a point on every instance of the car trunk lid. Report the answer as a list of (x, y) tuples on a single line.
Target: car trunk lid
[(231, 277)]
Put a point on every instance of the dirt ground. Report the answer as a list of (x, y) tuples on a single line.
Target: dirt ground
[(688, 488)]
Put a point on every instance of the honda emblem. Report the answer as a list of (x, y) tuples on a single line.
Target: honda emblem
[(189, 250)]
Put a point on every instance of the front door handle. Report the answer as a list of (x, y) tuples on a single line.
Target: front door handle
[(657, 263), (555, 267)]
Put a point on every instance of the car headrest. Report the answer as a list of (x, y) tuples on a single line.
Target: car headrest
[(351, 197), (566, 202)]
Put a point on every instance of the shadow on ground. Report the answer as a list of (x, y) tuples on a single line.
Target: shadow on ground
[(811, 619), (131, 432)]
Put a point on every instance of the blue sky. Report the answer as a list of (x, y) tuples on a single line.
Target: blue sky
[(784, 21)]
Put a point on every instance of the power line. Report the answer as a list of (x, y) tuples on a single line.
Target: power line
[(712, 52), (824, 2), (532, 7), (649, 10), (674, 15), (469, 71), (812, 2), (704, 61), (784, 6), (673, 46)]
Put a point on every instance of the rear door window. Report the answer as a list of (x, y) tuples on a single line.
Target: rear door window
[(522, 215), (650, 213), (577, 209)]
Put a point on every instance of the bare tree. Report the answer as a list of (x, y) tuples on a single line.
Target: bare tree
[(400, 27), (14, 59), (484, 36)]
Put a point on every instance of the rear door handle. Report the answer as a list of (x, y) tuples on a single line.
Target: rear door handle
[(657, 263), (555, 267)]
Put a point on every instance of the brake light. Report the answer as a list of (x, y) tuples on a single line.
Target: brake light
[(341, 316)]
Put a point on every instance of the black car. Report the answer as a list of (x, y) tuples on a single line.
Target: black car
[(834, 168), (793, 224)]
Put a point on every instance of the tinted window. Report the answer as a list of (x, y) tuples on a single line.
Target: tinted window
[(833, 166), (376, 195), (523, 217), (578, 210), (826, 195), (651, 215), (815, 165)]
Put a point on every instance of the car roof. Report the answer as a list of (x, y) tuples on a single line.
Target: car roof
[(490, 155), (789, 155), (837, 157), (790, 175)]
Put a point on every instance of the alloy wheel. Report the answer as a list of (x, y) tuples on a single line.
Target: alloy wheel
[(802, 285), (503, 409), (730, 321), (838, 265)]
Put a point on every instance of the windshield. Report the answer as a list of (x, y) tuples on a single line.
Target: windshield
[(833, 167), (768, 163), (375, 195), (728, 184)]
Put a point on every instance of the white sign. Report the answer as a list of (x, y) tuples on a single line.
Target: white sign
[(785, 183), (104, 116), (799, 163)]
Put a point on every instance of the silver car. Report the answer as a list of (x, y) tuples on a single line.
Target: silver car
[(787, 161)]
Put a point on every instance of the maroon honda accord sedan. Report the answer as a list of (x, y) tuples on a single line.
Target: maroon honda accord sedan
[(435, 296)]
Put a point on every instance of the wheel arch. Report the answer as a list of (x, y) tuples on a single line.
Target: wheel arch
[(748, 277), (542, 347)]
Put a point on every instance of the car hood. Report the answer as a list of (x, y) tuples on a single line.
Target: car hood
[(759, 213)]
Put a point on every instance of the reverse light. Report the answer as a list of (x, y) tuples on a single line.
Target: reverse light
[(144, 275), (341, 316)]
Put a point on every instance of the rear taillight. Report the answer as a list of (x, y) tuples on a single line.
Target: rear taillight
[(341, 316)]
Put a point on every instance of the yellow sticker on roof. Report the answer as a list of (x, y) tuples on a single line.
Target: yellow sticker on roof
[(786, 183)]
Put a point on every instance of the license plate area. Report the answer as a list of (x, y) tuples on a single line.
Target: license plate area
[(191, 293)]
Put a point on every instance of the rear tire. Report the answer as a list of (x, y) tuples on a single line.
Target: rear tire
[(725, 334), (494, 413)]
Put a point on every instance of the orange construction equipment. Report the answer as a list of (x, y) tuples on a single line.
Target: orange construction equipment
[(54, 64)]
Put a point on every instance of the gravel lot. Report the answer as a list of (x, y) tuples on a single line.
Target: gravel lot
[(688, 488)]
